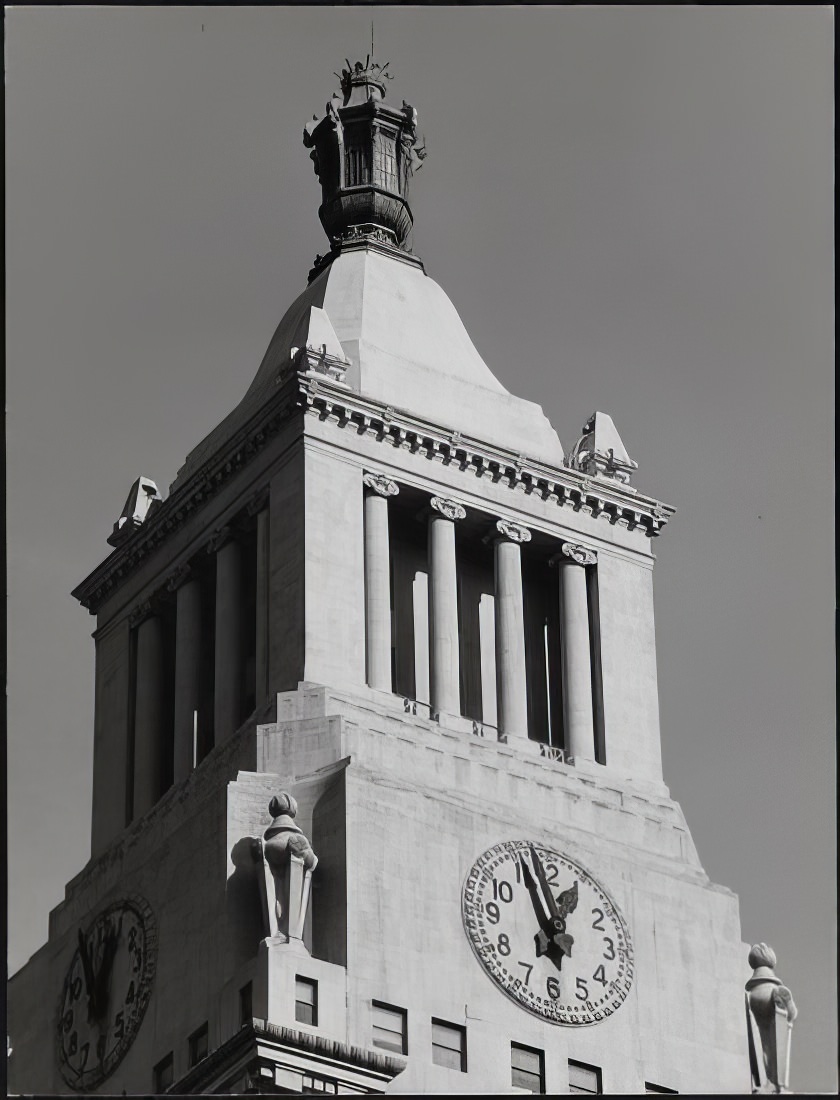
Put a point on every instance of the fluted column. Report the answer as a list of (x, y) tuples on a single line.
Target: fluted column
[(228, 646), (378, 580), (511, 686), (148, 708), (444, 658), (575, 647), (187, 667)]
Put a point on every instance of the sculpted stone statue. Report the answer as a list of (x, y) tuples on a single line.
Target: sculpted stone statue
[(288, 862), (770, 1016)]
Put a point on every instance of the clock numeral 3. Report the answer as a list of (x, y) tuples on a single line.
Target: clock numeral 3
[(611, 948)]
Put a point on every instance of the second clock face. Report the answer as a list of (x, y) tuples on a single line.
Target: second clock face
[(547, 933)]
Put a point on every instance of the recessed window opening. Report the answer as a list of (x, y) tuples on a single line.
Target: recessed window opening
[(584, 1079), (449, 1045), (390, 1028), (163, 1074), (306, 1001), (527, 1068), (198, 1045), (246, 1003)]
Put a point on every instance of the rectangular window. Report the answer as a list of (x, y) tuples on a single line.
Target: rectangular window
[(660, 1089), (584, 1078), (198, 1045), (164, 1073), (390, 1028), (306, 1001), (449, 1045), (527, 1068), (246, 1004)]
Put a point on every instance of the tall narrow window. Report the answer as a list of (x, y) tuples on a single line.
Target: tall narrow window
[(198, 1045), (584, 1079), (595, 664), (449, 1045), (390, 1028), (306, 1001), (163, 1074), (527, 1068)]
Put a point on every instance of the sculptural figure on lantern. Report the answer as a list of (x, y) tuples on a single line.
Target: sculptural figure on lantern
[(770, 1016), (288, 862)]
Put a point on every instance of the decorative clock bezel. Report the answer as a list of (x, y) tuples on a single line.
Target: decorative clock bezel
[(479, 931), (99, 1071)]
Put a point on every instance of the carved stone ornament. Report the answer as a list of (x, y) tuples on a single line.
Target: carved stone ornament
[(451, 509), (288, 862), (143, 611), (513, 531), (770, 1016), (381, 485), (178, 578), (219, 539), (143, 498), (581, 555)]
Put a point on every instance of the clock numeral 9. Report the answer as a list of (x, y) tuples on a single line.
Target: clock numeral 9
[(580, 984), (493, 913), (502, 890), (552, 987)]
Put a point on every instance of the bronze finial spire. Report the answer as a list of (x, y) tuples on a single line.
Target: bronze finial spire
[(364, 153)]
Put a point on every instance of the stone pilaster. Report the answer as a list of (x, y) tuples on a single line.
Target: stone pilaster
[(148, 708), (444, 657), (378, 580)]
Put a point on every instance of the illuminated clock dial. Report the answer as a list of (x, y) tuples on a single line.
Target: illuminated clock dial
[(105, 993), (547, 933)]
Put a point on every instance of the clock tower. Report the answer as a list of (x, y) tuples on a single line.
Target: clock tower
[(378, 801)]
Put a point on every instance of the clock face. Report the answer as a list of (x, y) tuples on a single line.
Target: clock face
[(547, 933), (106, 992)]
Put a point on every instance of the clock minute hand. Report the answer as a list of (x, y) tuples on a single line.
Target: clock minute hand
[(547, 894), (87, 970)]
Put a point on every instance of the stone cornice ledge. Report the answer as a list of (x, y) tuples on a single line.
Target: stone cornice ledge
[(317, 395), (569, 488)]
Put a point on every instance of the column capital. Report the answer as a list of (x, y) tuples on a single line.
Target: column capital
[(258, 502), (450, 509), (381, 485), (141, 612), (513, 532), (572, 553), (220, 537), (179, 577)]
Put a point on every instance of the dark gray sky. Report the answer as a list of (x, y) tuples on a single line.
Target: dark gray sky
[(631, 208)]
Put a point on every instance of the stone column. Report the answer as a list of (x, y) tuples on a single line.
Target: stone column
[(228, 655), (148, 708), (511, 689), (575, 648), (259, 508), (187, 667), (444, 671), (378, 580)]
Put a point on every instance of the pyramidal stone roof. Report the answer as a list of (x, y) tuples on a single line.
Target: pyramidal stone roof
[(370, 305)]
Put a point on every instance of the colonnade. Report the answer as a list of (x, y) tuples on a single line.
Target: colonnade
[(158, 684), (444, 672)]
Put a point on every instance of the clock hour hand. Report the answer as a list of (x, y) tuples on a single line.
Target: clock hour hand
[(553, 940), (103, 974), (87, 970)]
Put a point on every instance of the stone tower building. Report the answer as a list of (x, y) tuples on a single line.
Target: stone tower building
[(378, 800)]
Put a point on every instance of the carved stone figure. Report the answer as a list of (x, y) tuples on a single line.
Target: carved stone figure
[(142, 499), (288, 862), (770, 1016)]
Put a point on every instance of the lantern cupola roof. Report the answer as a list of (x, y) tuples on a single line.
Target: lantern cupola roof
[(364, 151)]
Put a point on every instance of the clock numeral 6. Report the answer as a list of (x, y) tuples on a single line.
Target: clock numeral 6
[(580, 984), (493, 913), (119, 1025), (552, 987)]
